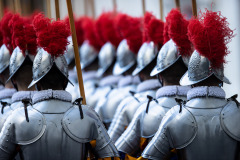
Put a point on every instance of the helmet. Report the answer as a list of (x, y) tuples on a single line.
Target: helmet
[(107, 32), (208, 58), (87, 54), (4, 58), (125, 58), (106, 58), (17, 59), (178, 47), (51, 52), (43, 63), (153, 40), (69, 55), (199, 69), (146, 54)]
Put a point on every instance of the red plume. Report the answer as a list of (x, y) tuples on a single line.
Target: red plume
[(1, 35), (79, 30), (90, 33), (153, 29), (51, 35), (106, 29), (131, 29), (165, 33), (210, 35), (16, 24), (7, 37), (177, 30), (31, 39)]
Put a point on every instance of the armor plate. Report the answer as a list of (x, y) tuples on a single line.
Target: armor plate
[(230, 117), (17, 128)]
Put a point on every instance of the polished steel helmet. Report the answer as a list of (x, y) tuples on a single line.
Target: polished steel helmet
[(167, 56), (16, 60), (106, 58), (69, 53), (199, 69), (146, 54), (125, 58), (87, 54), (4, 58), (43, 63)]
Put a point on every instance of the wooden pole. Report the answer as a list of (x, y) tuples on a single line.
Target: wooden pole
[(143, 7), (17, 6), (93, 8), (177, 2), (85, 7), (57, 9), (48, 2), (161, 9), (194, 8), (76, 53), (1, 9), (115, 4)]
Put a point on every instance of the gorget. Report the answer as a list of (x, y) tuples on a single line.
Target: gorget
[(151, 84), (128, 80), (19, 96), (51, 94), (7, 93), (109, 81), (205, 91)]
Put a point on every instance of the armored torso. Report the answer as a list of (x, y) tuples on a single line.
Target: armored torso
[(55, 126), (148, 117), (127, 108), (205, 128)]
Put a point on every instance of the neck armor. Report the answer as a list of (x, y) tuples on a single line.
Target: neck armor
[(199, 69), (146, 55), (125, 58), (43, 63)]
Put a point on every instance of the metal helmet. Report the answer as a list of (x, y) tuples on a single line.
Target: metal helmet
[(43, 63), (106, 58), (199, 69), (146, 55), (16, 60), (87, 54), (69, 55), (167, 56), (125, 58), (4, 58)]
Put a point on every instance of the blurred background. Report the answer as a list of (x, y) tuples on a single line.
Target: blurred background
[(228, 8)]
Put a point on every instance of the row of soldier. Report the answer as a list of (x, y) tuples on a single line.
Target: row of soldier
[(155, 88)]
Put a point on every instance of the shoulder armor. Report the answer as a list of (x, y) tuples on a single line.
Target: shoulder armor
[(230, 118), (182, 127), (150, 121), (24, 132), (81, 130)]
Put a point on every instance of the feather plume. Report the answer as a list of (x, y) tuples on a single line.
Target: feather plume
[(7, 36), (51, 35), (177, 31), (106, 29), (90, 33), (130, 28), (210, 34), (153, 29)]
